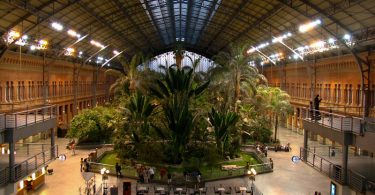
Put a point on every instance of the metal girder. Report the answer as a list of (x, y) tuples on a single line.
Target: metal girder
[(191, 35), (41, 18), (323, 13), (109, 26), (243, 4), (258, 21), (189, 11), (14, 24), (173, 22), (212, 8), (363, 64), (126, 15), (148, 9)]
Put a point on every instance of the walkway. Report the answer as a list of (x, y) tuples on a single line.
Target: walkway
[(288, 178)]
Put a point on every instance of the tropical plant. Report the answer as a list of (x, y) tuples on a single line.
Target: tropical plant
[(174, 93), (233, 69), (275, 100), (223, 124), (93, 125), (133, 132), (128, 79)]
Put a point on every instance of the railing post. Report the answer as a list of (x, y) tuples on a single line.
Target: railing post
[(15, 121), (321, 164), (314, 160), (27, 149), (341, 123), (44, 158), (26, 118), (36, 161)]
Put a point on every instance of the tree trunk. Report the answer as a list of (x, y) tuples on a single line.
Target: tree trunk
[(178, 61), (276, 124), (236, 91)]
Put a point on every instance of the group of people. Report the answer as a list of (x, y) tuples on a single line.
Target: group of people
[(195, 174), (262, 149), (145, 174), (85, 165)]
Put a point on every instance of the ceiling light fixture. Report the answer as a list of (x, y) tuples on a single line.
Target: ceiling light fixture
[(57, 26), (308, 26)]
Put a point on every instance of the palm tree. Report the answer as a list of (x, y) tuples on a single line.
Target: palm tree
[(233, 69), (129, 76), (275, 100), (223, 124), (174, 93)]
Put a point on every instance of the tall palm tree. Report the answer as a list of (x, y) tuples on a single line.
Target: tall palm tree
[(275, 100), (233, 69), (129, 76)]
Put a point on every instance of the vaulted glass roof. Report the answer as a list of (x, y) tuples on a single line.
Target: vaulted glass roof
[(180, 20), (202, 26)]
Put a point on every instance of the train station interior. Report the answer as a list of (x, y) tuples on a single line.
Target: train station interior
[(252, 97)]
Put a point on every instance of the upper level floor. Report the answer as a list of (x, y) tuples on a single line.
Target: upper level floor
[(337, 80), (344, 129), (19, 125)]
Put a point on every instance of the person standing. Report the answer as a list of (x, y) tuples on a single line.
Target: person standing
[(118, 170), (162, 173), (151, 173), (317, 101), (169, 176)]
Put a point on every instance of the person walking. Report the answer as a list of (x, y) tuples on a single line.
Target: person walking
[(118, 170), (271, 163), (81, 164)]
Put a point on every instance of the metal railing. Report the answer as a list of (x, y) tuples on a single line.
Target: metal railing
[(4, 176), (322, 165), (332, 120), (35, 162), (356, 181), (2, 122), (30, 117)]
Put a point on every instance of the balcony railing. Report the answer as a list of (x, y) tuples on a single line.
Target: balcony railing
[(356, 181), (29, 165), (29, 117), (322, 165), (334, 121), (2, 122)]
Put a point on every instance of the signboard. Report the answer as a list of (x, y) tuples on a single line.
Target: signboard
[(333, 189)]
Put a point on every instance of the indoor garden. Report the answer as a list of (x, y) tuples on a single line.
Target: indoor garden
[(183, 117)]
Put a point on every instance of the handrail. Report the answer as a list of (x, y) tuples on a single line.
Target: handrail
[(356, 181), (34, 109), (334, 120), (29, 117)]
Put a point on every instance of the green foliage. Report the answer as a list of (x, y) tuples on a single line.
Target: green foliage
[(233, 78), (93, 125), (223, 124), (174, 92)]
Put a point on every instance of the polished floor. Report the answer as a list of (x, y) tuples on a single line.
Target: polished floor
[(288, 178)]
